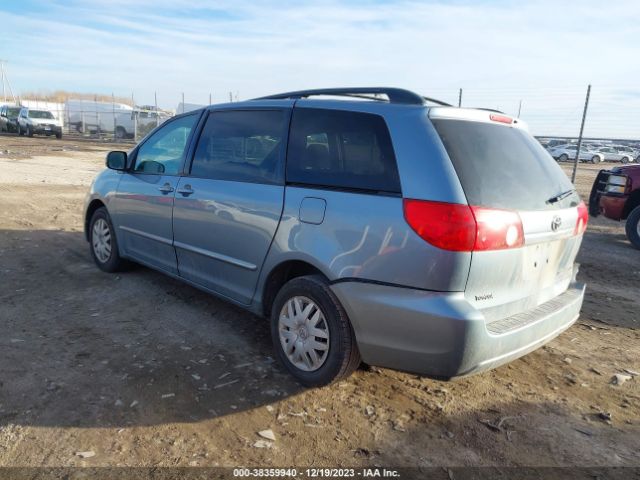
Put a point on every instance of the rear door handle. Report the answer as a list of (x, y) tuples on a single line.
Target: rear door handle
[(186, 190), (166, 188)]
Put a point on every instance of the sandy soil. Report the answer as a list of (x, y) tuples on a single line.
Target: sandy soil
[(143, 370)]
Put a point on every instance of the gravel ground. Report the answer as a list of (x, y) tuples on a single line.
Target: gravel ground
[(142, 370)]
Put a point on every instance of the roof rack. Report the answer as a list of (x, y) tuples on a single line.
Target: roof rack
[(395, 95)]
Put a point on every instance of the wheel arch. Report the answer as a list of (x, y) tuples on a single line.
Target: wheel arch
[(281, 274), (632, 202), (91, 208)]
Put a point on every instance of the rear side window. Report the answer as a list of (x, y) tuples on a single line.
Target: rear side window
[(503, 167), (339, 149), (243, 146)]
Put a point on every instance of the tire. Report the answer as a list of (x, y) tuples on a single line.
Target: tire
[(59, 135), (29, 131), (107, 261), (563, 158), (624, 159), (121, 133), (341, 357), (20, 132), (632, 227), (596, 159)]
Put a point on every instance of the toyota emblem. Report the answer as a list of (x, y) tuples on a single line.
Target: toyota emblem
[(556, 223)]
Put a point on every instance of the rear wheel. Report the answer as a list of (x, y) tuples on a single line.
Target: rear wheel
[(311, 332), (29, 131), (596, 159), (121, 133), (633, 227), (104, 246), (624, 159), (563, 158)]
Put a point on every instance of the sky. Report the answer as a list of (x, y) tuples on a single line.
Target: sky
[(500, 52)]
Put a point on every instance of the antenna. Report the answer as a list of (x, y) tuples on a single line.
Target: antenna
[(5, 82)]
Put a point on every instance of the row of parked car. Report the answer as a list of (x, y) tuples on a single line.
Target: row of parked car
[(30, 122), (595, 153)]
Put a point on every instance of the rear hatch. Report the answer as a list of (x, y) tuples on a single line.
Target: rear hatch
[(507, 176)]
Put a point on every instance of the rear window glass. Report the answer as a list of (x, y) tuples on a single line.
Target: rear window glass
[(341, 149), (242, 146), (503, 167)]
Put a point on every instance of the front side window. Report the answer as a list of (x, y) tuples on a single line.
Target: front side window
[(242, 146), (162, 153), (340, 149)]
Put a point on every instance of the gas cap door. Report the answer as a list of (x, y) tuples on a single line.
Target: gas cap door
[(312, 210)]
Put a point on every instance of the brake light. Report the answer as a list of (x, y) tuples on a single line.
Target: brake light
[(501, 118), (583, 219), (464, 228)]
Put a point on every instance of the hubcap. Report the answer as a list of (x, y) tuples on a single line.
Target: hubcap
[(101, 240), (304, 333)]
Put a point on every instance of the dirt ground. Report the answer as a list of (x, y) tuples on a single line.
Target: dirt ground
[(142, 370)]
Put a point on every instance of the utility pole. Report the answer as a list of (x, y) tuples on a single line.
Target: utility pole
[(519, 108), (155, 99), (584, 116), (182, 102), (460, 98), (6, 85)]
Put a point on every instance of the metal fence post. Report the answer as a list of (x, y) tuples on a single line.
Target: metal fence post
[(155, 99), (584, 116), (460, 98), (113, 108)]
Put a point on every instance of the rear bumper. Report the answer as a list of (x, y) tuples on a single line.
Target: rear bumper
[(441, 335)]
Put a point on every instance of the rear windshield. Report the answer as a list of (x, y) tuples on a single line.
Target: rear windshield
[(503, 167)]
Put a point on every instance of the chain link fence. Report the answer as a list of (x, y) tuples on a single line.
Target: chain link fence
[(613, 113)]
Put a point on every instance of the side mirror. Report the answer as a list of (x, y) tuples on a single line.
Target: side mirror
[(117, 160)]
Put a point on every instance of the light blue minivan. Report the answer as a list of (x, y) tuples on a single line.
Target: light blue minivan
[(368, 224)]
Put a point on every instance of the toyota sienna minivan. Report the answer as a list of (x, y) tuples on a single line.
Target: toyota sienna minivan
[(367, 224)]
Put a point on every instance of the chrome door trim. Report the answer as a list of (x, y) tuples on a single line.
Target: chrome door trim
[(215, 256), (140, 233)]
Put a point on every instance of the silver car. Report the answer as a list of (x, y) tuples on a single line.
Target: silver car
[(401, 232), (564, 153), (618, 154)]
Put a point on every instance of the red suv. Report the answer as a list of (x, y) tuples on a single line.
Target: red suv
[(616, 194)]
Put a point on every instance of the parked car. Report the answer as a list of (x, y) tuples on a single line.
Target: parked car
[(38, 122), (565, 153), (631, 154), (9, 118), (408, 234), (616, 195), (612, 154)]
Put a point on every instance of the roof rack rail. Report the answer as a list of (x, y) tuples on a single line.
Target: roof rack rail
[(395, 95)]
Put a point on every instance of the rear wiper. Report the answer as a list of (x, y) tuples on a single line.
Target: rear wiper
[(561, 196)]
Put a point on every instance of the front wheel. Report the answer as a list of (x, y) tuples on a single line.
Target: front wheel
[(311, 332), (563, 158), (29, 131), (632, 227), (624, 159), (103, 243)]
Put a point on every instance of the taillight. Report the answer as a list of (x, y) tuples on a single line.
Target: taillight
[(497, 229), (583, 219), (445, 225), (464, 228)]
